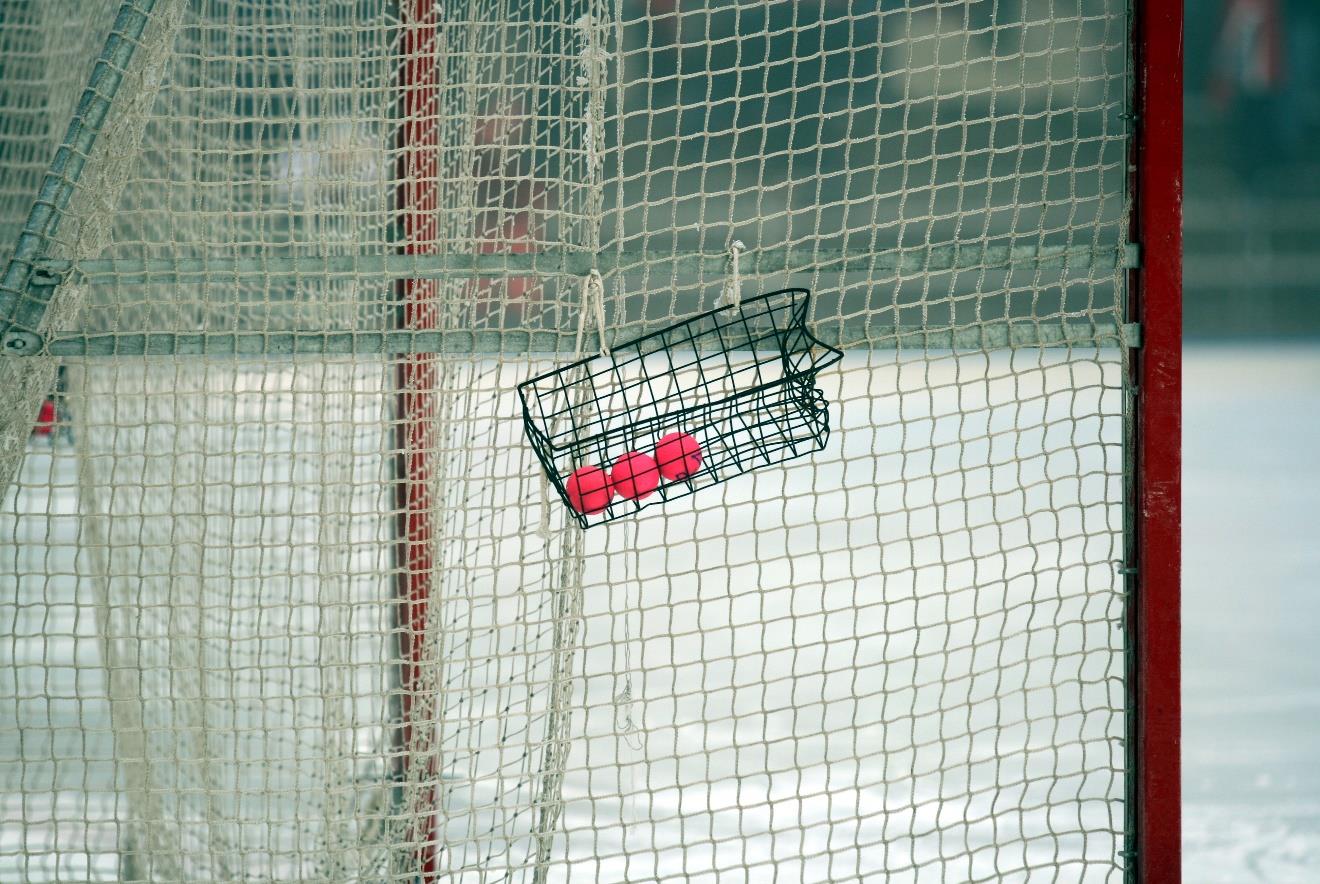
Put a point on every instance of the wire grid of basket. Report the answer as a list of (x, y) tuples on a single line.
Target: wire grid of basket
[(740, 379)]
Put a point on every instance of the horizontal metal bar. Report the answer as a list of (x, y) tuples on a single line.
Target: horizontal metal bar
[(1014, 334), (125, 271), (853, 334)]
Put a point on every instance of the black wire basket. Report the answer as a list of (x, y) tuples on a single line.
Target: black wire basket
[(738, 381)]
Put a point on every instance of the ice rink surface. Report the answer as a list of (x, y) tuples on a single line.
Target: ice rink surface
[(1251, 614), (1251, 628)]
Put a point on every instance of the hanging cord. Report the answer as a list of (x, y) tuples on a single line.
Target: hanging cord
[(625, 726), (543, 529), (591, 307), (593, 72), (593, 66), (733, 286)]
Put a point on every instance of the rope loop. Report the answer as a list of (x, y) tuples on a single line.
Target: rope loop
[(592, 304)]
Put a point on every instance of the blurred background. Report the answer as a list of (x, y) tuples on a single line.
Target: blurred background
[(1251, 609), (1252, 168)]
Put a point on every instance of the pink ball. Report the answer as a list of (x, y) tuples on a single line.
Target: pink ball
[(635, 476), (589, 490), (678, 456)]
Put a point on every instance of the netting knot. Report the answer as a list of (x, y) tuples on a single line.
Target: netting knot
[(625, 726)]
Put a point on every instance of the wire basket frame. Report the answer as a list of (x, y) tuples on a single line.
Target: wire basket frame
[(739, 379)]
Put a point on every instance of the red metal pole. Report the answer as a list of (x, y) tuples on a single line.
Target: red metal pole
[(1157, 303), (418, 171)]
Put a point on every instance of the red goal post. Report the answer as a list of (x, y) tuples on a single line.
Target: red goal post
[(1155, 300)]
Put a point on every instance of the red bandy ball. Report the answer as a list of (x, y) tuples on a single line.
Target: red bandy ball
[(634, 476), (678, 456), (589, 490)]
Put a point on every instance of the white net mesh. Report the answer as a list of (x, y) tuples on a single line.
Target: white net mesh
[(302, 607)]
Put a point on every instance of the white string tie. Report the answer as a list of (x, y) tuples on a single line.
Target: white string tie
[(733, 289)]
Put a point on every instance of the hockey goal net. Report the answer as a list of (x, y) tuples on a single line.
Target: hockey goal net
[(287, 594)]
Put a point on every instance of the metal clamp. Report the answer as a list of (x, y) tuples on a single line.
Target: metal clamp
[(40, 287)]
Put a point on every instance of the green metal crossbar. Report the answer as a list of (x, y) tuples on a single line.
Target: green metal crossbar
[(854, 334)]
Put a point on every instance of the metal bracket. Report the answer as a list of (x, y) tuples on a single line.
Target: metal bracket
[(42, 284), (40, 289), (21, 343)]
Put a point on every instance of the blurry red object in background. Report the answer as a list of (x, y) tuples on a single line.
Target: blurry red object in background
[(45, 419)]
